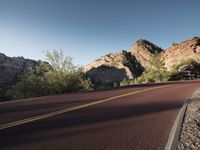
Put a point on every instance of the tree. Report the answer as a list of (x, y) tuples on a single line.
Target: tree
[(58, 76), (64, 74), (59, 62), (157, 63), (156, 73)]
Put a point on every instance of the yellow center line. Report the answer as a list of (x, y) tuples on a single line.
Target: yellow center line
[(47, 115)]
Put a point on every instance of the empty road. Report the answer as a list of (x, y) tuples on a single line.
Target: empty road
[(134, 118)]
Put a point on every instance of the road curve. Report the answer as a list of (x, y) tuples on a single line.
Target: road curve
[(141, 120)]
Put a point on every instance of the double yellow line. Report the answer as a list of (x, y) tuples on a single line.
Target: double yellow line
[(47, 115)]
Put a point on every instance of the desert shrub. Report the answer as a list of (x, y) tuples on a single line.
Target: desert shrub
[(31, 84), (185, 62), (115, 85), (125, 82), (153, 76), (156, 73), (58, 76), (185, 70), (175, 44)]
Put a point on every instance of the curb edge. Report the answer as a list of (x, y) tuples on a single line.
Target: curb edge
[(176, 129)]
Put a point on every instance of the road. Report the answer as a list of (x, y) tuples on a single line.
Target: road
[(122, 119)]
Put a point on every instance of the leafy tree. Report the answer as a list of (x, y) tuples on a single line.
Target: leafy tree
[(60, 75), (59, 62), (157, 63)]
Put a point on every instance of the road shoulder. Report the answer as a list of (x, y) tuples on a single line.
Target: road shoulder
[(190, 130)]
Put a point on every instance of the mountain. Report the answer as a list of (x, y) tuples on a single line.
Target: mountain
[(13, 67), (115, 67), (143, 50), (180, 52)]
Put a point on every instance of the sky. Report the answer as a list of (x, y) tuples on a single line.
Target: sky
[(88, 29)]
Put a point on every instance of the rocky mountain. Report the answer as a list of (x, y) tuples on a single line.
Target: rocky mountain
[(115, 67), (180, 52), (143, 50), (12, 67)]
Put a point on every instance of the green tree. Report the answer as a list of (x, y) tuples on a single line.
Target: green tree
[(157, 63), (60, 75), (156, 73), (64, 76)]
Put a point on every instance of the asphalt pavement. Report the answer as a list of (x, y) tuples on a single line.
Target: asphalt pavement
[(131, 118)]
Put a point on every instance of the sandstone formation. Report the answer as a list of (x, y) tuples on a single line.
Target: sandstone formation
[(11, 68), (187, 72), (189, 49), (113, 68), (143, 50)]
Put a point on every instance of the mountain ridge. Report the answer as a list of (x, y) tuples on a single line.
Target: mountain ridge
[(142, 52), (13, 67), (115, 67)]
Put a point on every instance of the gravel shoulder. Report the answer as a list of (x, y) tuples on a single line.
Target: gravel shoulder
[(190, 130)]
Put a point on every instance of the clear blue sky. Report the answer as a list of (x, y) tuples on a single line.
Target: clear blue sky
[(87, 29)]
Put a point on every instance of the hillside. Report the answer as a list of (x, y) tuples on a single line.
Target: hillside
[(183, 51), (126, 64), (13, 67), (112, 68)]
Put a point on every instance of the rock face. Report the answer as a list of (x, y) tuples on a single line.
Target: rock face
[(127, 65), (143, 51), (187, 72), (113, 68), (189, 49), (11, 68)]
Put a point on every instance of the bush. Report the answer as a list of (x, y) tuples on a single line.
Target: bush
[(175, 44), (156, 73), (185, 62), (31, 84), (58, 76), (125, 82), (153, 76)]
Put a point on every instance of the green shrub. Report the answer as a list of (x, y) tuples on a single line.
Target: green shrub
[(156, 73), (59, 76), (125, 82), (185, 62), (153, 76)]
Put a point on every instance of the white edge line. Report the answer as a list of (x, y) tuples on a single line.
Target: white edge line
[(176, 129)]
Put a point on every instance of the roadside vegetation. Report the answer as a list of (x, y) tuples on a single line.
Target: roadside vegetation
[(56, 76), (156, 73), (185, 70), (59, 75)]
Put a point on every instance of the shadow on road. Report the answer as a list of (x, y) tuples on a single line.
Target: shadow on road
[(71, 123)]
